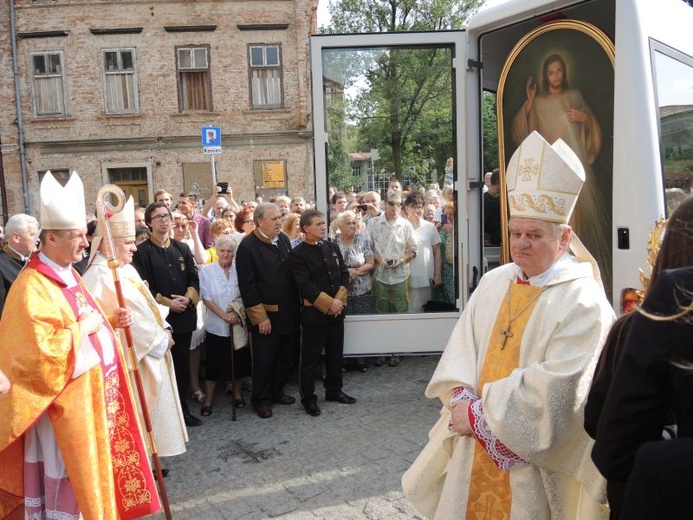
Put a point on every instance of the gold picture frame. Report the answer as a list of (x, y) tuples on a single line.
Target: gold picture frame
[(586, 58)]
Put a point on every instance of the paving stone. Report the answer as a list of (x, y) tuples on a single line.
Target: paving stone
[(346, 464)]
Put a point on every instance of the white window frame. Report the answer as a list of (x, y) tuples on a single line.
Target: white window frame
[(130, 80), (39, 79), (266, 79), (197, 62)]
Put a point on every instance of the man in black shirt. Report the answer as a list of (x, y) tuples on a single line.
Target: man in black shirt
[(271, 302), (322, 278)]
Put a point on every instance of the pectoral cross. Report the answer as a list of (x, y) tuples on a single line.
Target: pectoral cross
[(506, 334)]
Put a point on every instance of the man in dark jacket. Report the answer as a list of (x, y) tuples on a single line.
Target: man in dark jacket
[(271, 302), (21, 232), (322, 277)]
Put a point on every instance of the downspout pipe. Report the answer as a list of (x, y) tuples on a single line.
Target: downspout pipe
[(18, 102)]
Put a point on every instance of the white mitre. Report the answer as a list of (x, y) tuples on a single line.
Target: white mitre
[(62, 207), (543, 180), (121, 225)]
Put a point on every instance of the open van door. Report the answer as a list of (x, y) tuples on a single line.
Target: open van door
[(367, 84)]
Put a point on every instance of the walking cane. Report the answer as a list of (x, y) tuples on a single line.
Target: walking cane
[(105, 206), (233, 377)]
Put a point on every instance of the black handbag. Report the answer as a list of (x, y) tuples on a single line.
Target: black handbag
[(441, 302)]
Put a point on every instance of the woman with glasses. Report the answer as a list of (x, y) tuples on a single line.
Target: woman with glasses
[(358, 256), (245, 223)]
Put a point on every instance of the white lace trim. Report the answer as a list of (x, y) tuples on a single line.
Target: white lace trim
[(504, 459)]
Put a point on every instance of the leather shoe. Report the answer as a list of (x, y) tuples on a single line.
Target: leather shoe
[(312, 409), (191, 421), (164, 473), (285, 399), (341, 397), (264, 412)]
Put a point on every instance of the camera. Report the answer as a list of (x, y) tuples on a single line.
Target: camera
[(223, 187), (391, 261), (362, 207)]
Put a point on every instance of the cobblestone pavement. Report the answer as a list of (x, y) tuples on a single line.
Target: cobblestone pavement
[(345, 464)]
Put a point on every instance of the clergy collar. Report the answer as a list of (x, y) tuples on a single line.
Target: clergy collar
[(14, 253), (59, 269), (159, 243), (547, 276)]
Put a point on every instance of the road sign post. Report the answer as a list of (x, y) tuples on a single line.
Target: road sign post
[(211, 145)]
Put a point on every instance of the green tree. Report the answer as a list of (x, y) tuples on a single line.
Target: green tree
[(338, 160), (405, 106), (489, 122)]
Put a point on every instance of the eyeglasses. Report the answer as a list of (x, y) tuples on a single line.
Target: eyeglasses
[(162, 218), (390, 203)]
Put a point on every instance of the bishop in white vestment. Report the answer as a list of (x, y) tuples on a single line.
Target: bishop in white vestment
[(514, 376)]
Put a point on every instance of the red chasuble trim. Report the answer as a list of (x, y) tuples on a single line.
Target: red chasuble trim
[(136, 492)]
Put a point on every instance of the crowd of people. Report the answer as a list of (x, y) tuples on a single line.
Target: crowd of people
[(205, 295), (537, 421)]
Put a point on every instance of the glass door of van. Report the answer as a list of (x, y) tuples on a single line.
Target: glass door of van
[(387, 113)]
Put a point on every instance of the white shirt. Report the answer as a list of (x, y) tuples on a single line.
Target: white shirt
[(215, 287)]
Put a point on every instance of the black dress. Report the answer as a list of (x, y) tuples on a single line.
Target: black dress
[(654, 375)]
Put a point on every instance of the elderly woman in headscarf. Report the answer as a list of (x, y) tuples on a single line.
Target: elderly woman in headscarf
[(219, 290)]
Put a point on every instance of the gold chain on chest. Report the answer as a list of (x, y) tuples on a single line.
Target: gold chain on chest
[(506, 331)]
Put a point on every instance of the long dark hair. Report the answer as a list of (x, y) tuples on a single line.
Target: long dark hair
[(544, 76), (677, 246)]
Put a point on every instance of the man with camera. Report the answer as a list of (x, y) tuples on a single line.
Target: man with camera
[(394, 246)]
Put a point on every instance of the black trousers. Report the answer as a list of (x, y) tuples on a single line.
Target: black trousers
[(331, 338), (272, 357), (181, 365)]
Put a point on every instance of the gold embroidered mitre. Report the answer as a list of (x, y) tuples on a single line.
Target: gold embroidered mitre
[(121, 219), (543, 180), (62, 207)]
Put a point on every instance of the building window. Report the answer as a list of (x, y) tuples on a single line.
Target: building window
[(194, 85), (49, 84), (120, 81), (265, 76)]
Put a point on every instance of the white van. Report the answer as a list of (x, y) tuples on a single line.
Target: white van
[(630, 62)]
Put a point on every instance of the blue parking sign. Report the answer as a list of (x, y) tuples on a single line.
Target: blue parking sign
[(211, 139)]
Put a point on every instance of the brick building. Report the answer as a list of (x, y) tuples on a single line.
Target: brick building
[(119, 90)]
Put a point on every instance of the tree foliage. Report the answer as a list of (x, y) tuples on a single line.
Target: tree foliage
[(404, 105), (489, 122)]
